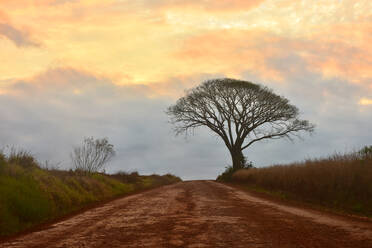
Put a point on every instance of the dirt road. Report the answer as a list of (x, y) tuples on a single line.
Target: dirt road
[(200, 214)]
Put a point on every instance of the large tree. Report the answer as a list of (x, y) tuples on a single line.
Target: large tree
[(240, 112)]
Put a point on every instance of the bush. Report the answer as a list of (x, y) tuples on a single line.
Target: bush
[(127, 177), (2, 158), (143, 182), (226, 176), (22, 158), (2, 162), (365, 152)]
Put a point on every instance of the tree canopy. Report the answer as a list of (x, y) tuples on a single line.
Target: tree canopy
[(240, 112)]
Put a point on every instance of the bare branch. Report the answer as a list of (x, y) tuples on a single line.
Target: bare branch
[(92, 155)]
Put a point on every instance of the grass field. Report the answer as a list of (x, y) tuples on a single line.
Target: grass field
[(30, 195), (341, 181)]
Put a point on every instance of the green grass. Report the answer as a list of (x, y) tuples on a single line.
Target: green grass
[(22, 202), (30, 195)]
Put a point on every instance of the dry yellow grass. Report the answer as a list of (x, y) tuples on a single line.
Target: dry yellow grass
[(340, 181)]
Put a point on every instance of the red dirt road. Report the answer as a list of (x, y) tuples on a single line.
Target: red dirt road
[(200, 214)]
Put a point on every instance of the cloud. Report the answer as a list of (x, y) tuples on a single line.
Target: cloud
[(174, 87), (213, 37), (19, 37), (365, 101), (257, 50), (221, 5), (38, 3), (59, 2)]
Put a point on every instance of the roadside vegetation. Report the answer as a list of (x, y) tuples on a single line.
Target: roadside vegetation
[(30, 194), (341, 181)]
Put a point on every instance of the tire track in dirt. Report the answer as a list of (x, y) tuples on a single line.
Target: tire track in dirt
[(200, 214)]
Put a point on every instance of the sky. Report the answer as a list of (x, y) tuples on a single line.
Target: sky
[(71, 69)]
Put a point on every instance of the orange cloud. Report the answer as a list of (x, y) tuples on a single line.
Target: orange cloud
[(26, 3), (19, 37), (232, 51), (3, 16), (220, 5), (365, 101), (149, 41)]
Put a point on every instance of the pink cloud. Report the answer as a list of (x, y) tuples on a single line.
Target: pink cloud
[(258, 51)]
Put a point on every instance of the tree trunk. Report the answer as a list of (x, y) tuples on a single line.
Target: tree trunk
[(237, 158)]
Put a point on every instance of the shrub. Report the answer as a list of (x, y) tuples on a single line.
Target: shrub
[(2, 162), (366, 152), (128, 177), (2, 158), (92, 155), (143, 182), (226, 176), (22, 158)]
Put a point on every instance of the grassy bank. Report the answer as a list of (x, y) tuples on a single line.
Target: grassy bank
[(342, 182), (30, 195)]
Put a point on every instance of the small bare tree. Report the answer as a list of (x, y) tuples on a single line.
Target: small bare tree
[(92, 155), (240, 112)]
